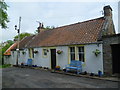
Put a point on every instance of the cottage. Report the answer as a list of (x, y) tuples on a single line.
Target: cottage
[(80, 41)]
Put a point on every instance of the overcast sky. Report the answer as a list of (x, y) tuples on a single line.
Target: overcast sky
[(53, 14)]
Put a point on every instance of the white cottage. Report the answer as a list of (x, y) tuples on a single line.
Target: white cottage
[(79, 41)]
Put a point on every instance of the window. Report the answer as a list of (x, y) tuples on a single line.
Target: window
[(45, 52), (72, 53), (81, 53)]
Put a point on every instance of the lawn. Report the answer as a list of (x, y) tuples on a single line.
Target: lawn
[(5, 65)]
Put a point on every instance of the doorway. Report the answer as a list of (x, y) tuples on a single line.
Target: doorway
[(115, 58), (53, 58)]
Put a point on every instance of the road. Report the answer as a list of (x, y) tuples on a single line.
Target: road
[(33, 78)]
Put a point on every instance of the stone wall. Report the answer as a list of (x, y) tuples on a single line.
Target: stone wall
[(107, 52)]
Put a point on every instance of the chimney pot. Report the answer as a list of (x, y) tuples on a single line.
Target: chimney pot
[(41, 27)]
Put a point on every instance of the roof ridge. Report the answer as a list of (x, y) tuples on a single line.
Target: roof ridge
[(69, 34), (92, 19), (10, 47), (76, 23)]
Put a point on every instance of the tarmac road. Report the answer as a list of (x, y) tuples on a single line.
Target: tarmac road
[(32, 78)]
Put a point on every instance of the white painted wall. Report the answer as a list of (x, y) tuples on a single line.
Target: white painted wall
[(23, 57), (40, 60), (93, 63), (13, 57), (7, 59), (62, 59)]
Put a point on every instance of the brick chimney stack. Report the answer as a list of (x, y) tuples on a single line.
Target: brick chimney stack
[(41, 27)]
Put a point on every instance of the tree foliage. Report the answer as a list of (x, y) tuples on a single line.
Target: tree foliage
[(3, 14), (22, 35), (10, 42)]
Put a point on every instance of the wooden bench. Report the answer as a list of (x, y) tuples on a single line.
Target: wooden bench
[(74, 65)]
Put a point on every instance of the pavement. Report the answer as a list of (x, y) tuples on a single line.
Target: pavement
[(109, 78), (15, 77)]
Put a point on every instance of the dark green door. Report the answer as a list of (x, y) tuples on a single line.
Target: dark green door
[(116, 58), (53, 58)]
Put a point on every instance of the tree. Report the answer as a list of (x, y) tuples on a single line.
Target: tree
[(22, 35), (3, 14), (10, 42), (3, 49)]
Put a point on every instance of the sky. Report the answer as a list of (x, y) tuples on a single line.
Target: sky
[(52, 13)]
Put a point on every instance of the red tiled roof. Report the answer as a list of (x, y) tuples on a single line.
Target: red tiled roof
[(7, 52), (79, 33)]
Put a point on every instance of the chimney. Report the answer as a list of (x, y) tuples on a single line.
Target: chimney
[(107, 11), (108, 27), (41, 27)]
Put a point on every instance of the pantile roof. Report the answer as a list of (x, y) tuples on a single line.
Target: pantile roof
[(8, 51), (78, 33)]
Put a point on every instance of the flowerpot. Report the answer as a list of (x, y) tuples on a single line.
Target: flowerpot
[(59, 52), (57, 68), (96, 54), (99, 73)]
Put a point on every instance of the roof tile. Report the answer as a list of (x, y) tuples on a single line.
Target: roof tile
[(79, 33)]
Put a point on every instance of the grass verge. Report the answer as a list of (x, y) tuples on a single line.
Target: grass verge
[(5, 65)]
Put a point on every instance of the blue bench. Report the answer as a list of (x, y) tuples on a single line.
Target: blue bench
[(74, 65)]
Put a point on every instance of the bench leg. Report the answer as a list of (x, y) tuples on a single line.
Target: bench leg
[(66, 71), (78, 71)]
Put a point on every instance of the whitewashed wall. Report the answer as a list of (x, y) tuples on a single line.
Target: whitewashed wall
[(62, 59), (23, 57), (93, 63), (40, 60), (7, 59), (13, 57)]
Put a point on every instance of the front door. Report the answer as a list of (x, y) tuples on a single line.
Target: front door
[(116, 58), (53, 58)]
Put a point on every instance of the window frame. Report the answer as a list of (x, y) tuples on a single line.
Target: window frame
[(72, 53), (44, 50), (81, 51)]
